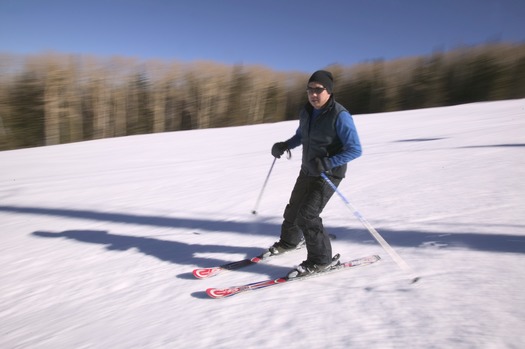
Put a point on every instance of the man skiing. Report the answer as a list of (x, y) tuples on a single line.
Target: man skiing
[(329, 139)]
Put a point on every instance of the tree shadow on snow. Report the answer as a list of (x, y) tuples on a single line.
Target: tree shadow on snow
[(157, 221), (497, 243), (178, 252)]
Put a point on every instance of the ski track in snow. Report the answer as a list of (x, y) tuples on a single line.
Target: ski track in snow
[(99, 238)]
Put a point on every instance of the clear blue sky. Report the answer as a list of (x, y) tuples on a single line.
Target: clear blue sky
[(284, 35)]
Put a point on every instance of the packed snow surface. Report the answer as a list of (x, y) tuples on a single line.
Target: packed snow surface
[(98, 239)]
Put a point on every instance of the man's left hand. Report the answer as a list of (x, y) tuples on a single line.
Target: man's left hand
[(323, 165)]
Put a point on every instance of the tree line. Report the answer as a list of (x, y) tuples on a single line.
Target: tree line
[(51, 98)]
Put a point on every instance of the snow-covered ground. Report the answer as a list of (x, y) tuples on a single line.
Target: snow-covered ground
[(98, 239)]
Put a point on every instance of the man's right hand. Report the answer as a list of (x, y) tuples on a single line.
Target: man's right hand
[(278, 149)]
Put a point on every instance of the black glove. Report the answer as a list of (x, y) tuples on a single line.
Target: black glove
[(278, 149), (323, 165)]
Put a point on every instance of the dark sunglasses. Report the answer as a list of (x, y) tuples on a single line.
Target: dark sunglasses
[(316, 90)]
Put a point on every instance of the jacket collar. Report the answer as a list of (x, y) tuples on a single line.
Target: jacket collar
[(328, 106)]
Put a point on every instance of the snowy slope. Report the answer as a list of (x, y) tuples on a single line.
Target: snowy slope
[(98, 238)]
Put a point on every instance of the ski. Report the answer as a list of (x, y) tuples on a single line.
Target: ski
[(202, 273), (234, 290)]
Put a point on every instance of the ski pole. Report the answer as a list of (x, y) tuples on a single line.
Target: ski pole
[(399, 261), (264, 186)]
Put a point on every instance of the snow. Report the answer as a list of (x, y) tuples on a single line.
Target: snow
[(98, 239)]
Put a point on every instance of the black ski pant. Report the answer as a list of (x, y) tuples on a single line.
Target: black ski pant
[(301, 217)]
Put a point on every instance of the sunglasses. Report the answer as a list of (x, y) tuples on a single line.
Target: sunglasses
[(316, 90)]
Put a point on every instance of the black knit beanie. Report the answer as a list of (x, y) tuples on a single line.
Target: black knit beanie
[(324, 78)]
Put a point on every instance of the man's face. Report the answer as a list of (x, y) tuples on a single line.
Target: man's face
[(317, 95)]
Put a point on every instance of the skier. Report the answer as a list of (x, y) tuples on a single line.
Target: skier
[(329, 139)]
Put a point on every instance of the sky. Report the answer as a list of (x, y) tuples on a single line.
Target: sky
[(291, 35)]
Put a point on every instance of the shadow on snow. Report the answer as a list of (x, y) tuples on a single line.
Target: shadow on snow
[(164, 250), (183, 253)]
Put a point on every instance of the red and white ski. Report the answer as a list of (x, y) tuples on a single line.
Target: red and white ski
[(234, 290), (203, 273)]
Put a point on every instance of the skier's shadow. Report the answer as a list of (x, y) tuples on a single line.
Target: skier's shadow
[(165, 250)]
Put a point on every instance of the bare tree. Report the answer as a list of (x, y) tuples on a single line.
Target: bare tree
[(100, 101), (54, 86), (73, 102)]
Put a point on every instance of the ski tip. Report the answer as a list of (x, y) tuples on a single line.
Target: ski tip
[(216, 293), (206, 272), (211, 293)]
